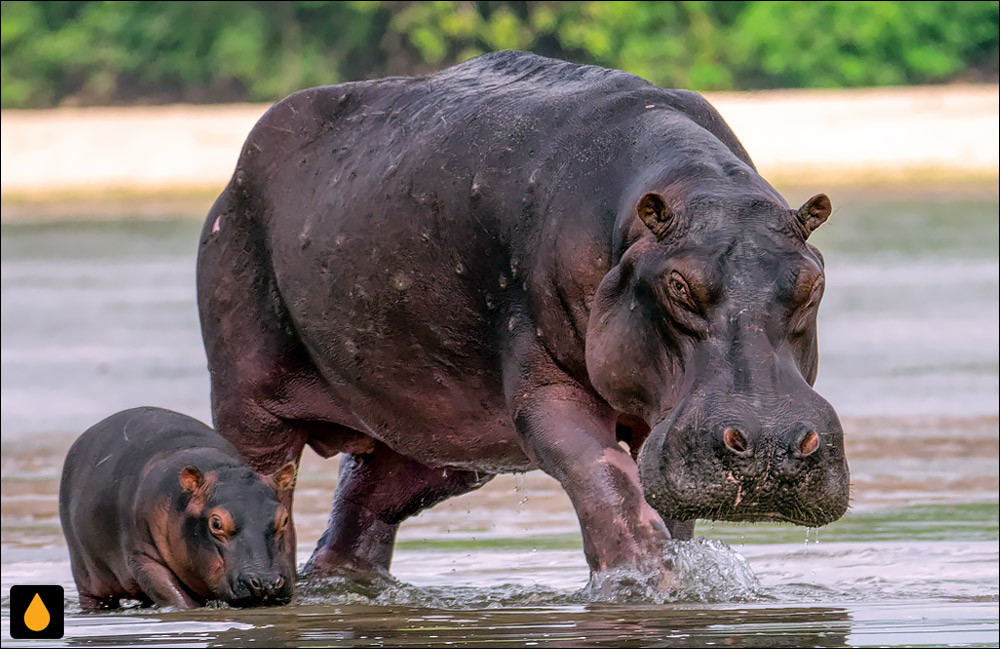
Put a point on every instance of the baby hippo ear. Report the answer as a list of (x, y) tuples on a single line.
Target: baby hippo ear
[(814, 212), (655, 214), (284, 478), (191, 479)]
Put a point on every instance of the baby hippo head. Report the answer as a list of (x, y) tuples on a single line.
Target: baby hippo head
[(231, 535)]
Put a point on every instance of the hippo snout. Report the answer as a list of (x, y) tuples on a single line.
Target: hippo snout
[(747, 469), (261, 589), (799, 441)]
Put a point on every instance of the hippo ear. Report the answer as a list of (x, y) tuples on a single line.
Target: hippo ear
[(284, 478), (814, 212), (653, 211), (192, 479)]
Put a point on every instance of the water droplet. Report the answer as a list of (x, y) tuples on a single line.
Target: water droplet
[(37, 616), (401, 281)]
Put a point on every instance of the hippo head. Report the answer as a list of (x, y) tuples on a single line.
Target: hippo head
[(706, 334), (233, 533)]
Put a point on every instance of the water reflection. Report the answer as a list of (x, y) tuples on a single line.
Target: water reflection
[(580, 626)]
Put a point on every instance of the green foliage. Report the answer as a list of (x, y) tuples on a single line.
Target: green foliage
[(95, 52), (835, 44)]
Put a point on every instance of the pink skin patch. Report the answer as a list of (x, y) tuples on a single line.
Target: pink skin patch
[(623, 462), (215, 226)]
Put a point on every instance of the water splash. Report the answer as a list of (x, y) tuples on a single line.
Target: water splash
[(703, 571)]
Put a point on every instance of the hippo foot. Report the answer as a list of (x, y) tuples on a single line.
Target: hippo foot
[(347, 578), (700, 570), (650, 580)]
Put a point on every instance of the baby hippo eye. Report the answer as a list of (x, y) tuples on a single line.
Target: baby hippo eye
[(216, 524)]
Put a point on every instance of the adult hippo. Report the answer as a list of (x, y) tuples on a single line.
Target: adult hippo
[(514, 264)]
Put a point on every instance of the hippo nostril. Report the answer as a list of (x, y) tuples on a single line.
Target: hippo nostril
[(279, 582), (809, 443), (735, 441), (253, 583)]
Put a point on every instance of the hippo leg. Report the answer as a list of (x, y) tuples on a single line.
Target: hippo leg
[(90, 602), (570, 435), (158, 583), (268, 399), (375, 492), (680, 530), (633, 431)]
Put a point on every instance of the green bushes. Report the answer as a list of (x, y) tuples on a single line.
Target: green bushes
[(147, 51)]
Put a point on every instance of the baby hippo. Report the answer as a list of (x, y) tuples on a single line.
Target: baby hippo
[(156, 506)]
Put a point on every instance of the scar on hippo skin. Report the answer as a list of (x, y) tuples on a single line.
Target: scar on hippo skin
[(167, 514)]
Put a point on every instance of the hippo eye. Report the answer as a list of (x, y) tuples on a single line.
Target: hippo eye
[(216, 525), (679, 288)]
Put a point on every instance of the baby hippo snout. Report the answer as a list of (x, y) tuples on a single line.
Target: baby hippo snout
[(262, 589)]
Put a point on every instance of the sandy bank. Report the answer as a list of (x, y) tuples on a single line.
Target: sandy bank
[(796, 137)]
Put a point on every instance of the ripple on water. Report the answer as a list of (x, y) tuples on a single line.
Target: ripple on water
[(704, 571)]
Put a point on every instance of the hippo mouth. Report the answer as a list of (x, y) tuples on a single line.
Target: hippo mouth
[(681, 484), (774, 517), (277, 599), (789, 509), (259, 594)]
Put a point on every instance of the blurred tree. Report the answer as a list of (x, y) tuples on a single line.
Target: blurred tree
[(96, 52), (832, 44)]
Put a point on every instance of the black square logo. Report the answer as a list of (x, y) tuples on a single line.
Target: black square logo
[(36, 612)]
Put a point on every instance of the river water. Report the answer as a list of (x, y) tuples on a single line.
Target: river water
[(99, 315)]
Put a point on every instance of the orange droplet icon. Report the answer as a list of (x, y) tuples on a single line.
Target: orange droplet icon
[(37, 616)]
